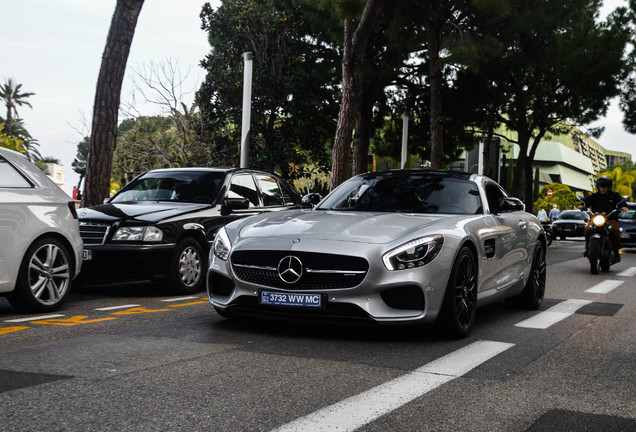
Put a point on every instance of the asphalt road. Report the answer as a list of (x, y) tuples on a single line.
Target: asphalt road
[(129, 359)]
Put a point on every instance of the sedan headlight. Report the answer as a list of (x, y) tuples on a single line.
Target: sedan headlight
[(599, 220), (415, 253), (138, 233), (222, 245)]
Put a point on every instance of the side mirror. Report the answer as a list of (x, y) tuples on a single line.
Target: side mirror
[(231, 204), (311, 199), (509, 204)]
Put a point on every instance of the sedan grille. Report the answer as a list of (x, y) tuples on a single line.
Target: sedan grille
[(92, 233), (316, 270)]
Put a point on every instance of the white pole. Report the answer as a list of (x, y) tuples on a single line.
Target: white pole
[(247, 104), (405, 138)]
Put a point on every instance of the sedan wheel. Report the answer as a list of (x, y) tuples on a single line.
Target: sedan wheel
[(187, 267), (460, 300), (45, 277), (532, 295)]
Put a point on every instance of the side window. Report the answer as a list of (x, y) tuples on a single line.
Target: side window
[(10, 177), (493, 194), (272, 195), (243, 186)]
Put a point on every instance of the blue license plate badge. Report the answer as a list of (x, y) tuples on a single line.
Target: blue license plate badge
[(272, 298)]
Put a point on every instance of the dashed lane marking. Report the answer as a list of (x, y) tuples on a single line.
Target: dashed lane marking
[(553, 315), (178, 299), (117, 307), (356, 411), (604, 287), (39, 317), (629, 272)]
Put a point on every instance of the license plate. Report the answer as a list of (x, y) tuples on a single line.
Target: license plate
[(625, 236), (87, 254), (290, 299)]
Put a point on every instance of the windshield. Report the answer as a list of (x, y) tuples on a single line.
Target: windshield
[(407, 193), (178, 186), (572, 215)]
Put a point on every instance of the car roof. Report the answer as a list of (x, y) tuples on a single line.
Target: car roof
[(427, 172), (206, 169)]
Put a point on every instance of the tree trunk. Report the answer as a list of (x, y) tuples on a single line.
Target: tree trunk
[(364, 126), (105, 109), (352, 63), (433, 35)]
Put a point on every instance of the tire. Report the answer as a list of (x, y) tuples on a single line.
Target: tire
[(186, 273), (562, 237), (594, 255), (45, 277), (532, 295), (606, 260), (460, 299)]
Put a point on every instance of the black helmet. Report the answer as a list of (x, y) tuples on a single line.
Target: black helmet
[(604, 181)]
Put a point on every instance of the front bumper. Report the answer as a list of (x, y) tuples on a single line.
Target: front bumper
[(383, 297), (126, 262)]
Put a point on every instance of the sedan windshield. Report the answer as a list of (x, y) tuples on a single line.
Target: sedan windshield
[(407, 193), (572, 215), (182, 186)]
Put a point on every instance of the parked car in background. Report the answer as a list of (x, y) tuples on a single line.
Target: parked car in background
[(627, 220), (569, 223), (159, 227), (403, 246), (40, 244)]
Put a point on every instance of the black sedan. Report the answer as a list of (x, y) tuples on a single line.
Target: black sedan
[(627, 220), (570, 223), (160, 226)]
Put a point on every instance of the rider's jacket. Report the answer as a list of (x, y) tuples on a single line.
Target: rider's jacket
[(604, 203)]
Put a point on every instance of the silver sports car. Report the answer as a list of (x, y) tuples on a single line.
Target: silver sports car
[(404, 246)]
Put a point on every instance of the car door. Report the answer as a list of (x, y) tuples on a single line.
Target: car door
[(511, 237)]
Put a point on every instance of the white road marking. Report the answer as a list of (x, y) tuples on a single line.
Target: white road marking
[(629, 272), (117, 307), (179, 299), (553, 315), (604, 287), (356, 411), (36, 318)]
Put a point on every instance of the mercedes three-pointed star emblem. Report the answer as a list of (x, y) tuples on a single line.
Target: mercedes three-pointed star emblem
[(290, 269)]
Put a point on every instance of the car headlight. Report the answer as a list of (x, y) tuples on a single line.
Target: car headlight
[(599, 220), (415, 253), (222, 245), (138, 233)]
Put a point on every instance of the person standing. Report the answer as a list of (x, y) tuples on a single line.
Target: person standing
[(542, 215), (554, 213)]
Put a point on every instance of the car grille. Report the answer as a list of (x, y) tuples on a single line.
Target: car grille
[(92, 233), (319, 271)]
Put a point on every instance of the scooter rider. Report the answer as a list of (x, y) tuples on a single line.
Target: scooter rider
[(605, 201)]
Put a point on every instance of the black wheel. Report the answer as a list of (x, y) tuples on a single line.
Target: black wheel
[(532, 295), (460, 300), (562, 237), (187, 267), (606, 261), (594, 255), (45, 277)]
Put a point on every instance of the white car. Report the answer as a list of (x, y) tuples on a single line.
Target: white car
[(41, 248)]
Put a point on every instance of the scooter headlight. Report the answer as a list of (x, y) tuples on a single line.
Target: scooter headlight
[(599, 220)]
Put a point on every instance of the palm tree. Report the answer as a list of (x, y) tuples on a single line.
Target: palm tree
[(10, 93)]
